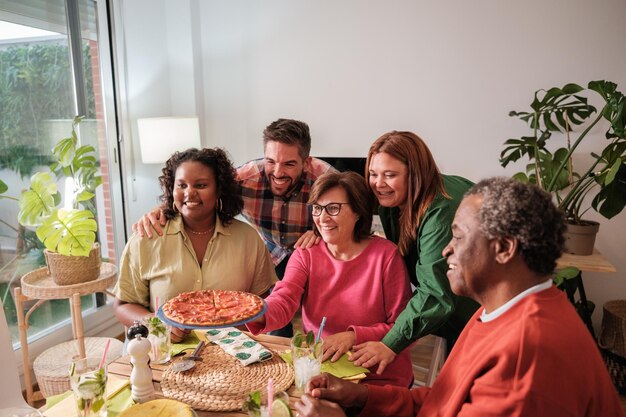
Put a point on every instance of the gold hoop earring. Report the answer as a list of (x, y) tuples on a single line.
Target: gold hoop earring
[(174, 207), (219, 204)]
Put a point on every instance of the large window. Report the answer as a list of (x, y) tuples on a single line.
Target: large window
[(51, 69)]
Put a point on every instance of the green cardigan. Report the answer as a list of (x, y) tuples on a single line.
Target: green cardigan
[(433, 309)]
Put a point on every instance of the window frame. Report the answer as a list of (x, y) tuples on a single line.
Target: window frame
[(101, 322)]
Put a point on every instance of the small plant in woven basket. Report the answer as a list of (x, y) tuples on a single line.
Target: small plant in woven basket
[(66, 228)]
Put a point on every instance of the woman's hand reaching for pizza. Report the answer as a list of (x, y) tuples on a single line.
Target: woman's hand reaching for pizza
[(177, 335), (337, 344)]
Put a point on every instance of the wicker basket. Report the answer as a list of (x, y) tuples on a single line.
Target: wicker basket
[(67, 270), (53, 365), (612, 342), (613, 329), (617, 369)]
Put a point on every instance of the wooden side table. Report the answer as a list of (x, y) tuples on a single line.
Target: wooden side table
[(39, 285), (595, 262)]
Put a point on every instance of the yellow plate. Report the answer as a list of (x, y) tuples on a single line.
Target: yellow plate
[(160, 407)]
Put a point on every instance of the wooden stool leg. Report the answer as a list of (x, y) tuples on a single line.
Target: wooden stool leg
[(22, 324), (439, 356), (77, 324)]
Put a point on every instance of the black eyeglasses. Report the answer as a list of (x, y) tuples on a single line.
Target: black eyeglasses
[(332, 209)]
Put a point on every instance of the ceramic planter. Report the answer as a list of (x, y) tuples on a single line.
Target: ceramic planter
[(581, 238)]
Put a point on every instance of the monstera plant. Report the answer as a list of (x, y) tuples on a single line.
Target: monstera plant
[(555, 115), (67, 228), (561, 110)]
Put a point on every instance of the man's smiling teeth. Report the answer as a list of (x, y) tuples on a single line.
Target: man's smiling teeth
[(451, 266), (280, 181)]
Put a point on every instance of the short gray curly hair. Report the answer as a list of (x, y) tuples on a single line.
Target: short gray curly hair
[(526, 213)]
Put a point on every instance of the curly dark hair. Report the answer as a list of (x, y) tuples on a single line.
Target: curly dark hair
[(289, 132), (360, 198), (228, 189), (525, 212)]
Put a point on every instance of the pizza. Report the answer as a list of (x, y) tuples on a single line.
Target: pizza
[(212, 307)]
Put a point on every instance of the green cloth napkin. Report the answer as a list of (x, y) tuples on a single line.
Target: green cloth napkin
[(55, 399), (234, 342), (343, 368), (190, 342)]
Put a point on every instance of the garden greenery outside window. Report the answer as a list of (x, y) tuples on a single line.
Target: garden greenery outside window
[(38, 101)]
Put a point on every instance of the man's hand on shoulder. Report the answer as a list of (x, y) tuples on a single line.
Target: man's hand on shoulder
[(153, 219), (307, 240)]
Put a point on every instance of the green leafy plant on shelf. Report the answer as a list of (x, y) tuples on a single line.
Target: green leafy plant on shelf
[(560, 110), (68, 231)]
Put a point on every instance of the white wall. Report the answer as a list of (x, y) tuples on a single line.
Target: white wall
[(354, 69)]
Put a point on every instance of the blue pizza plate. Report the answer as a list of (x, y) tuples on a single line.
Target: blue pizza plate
[(173, 323)]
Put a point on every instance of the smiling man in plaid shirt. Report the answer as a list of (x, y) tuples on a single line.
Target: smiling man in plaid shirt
[(276, 188), (275, 192)]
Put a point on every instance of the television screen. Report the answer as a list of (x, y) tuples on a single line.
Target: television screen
[(343, 164)]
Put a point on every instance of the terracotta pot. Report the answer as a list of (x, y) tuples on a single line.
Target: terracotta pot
[(67, 270), (581, 238)]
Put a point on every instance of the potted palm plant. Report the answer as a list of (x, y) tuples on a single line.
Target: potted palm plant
[(556, 113), (68, 232)]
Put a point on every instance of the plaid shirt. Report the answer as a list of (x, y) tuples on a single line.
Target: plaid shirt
[(280, 220)]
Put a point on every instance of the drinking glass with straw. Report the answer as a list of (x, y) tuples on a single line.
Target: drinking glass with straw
[(267, 403), (159, 337), (306, 353), (88, 378)]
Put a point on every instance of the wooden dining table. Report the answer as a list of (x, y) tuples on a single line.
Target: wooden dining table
[(122, 368)]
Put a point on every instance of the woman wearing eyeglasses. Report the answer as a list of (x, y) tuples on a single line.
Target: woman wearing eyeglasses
[(356, 280)]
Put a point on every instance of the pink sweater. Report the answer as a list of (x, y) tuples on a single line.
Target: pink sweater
[(365, 294), (536, 359)]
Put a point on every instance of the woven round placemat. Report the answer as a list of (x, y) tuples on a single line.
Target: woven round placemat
[(220, 382)]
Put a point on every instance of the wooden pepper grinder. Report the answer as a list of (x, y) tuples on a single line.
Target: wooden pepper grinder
[(142, 389)]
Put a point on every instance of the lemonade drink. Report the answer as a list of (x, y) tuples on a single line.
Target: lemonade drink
[(307, 362), (256, 405), (305, 368), (88, 383), (159, 337)]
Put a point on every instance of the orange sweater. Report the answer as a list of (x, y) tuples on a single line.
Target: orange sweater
[(537, 359)]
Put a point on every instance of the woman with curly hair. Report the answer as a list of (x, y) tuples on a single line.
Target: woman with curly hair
[(203, 246)]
